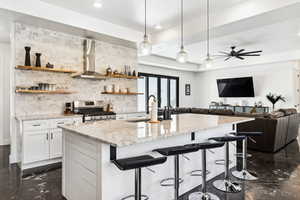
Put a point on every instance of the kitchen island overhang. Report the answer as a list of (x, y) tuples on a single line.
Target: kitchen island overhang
[(87, 167)]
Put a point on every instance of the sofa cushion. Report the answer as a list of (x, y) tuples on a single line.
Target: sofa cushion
[(221, 112), (200, 110), (275, 115), (288, 111)]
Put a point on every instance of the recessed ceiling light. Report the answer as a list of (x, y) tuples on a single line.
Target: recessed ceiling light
[(98, 4), (299, 33), (158, 27)]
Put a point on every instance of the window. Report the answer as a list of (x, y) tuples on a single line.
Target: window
[(164, 88)]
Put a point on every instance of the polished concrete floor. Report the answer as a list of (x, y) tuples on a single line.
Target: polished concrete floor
[(279, 179)]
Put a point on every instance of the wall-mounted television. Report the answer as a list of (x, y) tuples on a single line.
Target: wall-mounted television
[(236, 87)]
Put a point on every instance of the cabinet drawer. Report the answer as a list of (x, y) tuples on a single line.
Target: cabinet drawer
[(55, 123), (35, 125)]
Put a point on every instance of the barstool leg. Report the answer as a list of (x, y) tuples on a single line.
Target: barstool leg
[(203, 195), (176, 181), (244, 174), (138, 188), (227, 185)]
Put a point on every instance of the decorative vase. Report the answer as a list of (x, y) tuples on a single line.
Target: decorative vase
[(27, 56), (38, 60)]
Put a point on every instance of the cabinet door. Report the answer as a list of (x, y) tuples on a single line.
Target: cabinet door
[(55, 143), (35, 146)]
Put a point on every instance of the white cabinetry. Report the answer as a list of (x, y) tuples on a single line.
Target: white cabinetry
[(35, 146), (42, 141)]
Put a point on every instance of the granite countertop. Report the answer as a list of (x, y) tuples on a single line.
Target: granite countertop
[(124, 133), (44, 117)]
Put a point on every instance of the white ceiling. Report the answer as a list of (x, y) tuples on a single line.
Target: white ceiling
[(274, 38), (130, 13)]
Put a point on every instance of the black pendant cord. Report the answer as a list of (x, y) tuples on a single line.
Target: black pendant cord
[(145, 18), (182, 47), (208, 32)]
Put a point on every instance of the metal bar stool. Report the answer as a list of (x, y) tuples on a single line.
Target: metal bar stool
[(245, 174), (227, 185), (137, 163), (175, 151), (203, 194)]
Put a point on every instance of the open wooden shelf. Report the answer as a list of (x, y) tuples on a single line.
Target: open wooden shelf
[(44, 92), (45, 69), (104, 77), (123, 76), (119, 93)]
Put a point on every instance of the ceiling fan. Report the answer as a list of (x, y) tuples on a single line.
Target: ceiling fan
[(240, 54)]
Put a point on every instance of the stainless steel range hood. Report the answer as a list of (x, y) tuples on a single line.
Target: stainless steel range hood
[(89, 62)]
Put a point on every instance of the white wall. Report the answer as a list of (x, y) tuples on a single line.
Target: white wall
[(4, 94), (277, 78), (184, 78)]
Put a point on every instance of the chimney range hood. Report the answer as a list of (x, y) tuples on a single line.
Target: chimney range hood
[(89, 62)]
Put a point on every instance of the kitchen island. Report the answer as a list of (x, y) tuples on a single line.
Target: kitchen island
[(88, 149)]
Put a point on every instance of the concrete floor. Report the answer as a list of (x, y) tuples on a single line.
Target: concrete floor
[(279, 179)]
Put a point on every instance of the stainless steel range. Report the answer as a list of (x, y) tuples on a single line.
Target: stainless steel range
[(92, 111)]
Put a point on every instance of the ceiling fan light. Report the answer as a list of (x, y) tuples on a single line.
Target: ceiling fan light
[(208, 62), (145, 47), (182, 56)]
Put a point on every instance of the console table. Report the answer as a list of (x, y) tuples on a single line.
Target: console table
[(243, 109)]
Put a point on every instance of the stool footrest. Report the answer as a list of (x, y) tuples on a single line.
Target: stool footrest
[(221, 162), (198, 172), (144, 197), (164, 182)]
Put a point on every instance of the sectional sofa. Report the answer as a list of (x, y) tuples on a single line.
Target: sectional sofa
[(280, 128)]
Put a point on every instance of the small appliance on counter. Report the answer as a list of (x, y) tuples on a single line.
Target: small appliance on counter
[(68, 108), (92, 111)]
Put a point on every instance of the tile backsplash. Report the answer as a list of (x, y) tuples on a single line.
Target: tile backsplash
[(66, 51)]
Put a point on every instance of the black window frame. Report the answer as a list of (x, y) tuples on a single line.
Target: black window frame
[(159, 77)]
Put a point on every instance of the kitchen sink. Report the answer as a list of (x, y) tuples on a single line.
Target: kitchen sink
[(141, 120), (138, 120)]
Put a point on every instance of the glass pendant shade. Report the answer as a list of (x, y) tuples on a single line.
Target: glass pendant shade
[(182, 56), (208, 62), (145, 47)]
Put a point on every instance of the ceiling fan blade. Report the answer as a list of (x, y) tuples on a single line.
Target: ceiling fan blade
[(239, 57), (240, 51), (227, 58), (250, 52), (252, 55)]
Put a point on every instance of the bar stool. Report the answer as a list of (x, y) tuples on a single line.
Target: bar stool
[(245, 174), (138, 163), (227, 185), (175, 151), (203, 194)]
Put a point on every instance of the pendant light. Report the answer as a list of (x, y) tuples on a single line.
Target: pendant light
[(145, 45), (182, 55), (208, 61)]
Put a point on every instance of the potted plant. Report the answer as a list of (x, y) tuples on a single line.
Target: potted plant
[(274, 99)]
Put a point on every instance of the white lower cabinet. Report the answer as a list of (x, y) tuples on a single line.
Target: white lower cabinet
[(42, 141), (35, 146), (55, 144)]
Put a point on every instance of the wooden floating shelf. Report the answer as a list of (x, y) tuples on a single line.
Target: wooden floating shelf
[(123, 76), (119, 93), (45, 69), (104, 76), (44, 92)]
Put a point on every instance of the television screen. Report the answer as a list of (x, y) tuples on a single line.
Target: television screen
[(236, 87)]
